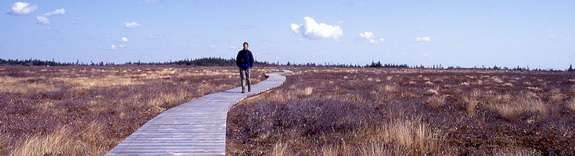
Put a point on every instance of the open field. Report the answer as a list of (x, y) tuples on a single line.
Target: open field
[(87, 110), (353, 111)]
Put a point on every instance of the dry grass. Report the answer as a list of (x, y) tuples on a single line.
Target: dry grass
[(571, 104), (435, 102), (407, 112), (471, 102), (87, 110), (412, 136), (25, 85), (64, 141), (280, 149), (517, 152), (55, 143), (305, 92), (513, 110), (4, 142), (389, 88)]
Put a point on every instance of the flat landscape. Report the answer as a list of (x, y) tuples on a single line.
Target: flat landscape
[(87, 110), (367, 111)]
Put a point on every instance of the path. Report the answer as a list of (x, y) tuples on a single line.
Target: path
[(197, 127)]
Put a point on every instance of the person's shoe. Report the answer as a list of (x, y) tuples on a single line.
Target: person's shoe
[(250, 89), (243, 90)]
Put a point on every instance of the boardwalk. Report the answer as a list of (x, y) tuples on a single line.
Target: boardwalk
[(197, 127)]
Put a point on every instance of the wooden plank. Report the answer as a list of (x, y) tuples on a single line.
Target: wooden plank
[(197, 127)]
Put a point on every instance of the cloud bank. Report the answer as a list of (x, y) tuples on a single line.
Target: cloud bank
[(310, 29), (22, 8), (132, 25)]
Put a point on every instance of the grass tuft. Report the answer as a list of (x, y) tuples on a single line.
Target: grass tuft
[(411, 135), (308, 91), (514, 109), (280, 149), (4, 142), (471, 102), (55, 143), (435, 102), (571, 104)]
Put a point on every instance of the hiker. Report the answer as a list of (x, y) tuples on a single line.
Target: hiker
[(245, 61)]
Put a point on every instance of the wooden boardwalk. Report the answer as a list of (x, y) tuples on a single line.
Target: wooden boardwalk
[(197, 127)]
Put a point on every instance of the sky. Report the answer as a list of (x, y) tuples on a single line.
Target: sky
[(510, 33)]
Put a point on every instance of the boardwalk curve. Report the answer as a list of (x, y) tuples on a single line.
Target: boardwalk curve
[(197, 127)]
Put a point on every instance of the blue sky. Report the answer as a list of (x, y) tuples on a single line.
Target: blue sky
[(538, 34)]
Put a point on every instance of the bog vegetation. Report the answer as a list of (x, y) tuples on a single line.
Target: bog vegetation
[(366, 111), (87, 110)]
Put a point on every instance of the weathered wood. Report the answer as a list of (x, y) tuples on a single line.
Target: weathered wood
[(197, 127)]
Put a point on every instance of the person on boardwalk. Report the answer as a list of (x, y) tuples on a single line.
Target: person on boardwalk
[(245, 61)]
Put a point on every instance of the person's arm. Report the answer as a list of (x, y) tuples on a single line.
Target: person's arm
[(251, 59), (238, 60)]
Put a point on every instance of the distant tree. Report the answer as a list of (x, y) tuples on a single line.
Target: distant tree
[(571, 68)]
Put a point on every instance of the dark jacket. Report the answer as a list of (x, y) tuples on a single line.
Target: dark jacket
[(245, 59)]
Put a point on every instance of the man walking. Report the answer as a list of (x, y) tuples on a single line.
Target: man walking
[(245, 61)]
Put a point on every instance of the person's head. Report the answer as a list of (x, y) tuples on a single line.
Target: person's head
[(246, 45)]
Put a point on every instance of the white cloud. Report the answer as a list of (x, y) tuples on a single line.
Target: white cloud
[(312, 30), (132, 25), (366, 35), (22, 8), (371, 37), (116, 46), (42, 20), (423, 39), (124, 39), (113, 47), (55, 12)]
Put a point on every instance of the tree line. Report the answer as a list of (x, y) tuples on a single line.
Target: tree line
[(216, 61)]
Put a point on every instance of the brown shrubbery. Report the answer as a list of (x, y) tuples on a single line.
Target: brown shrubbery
[(87, 110), (354, 111)]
